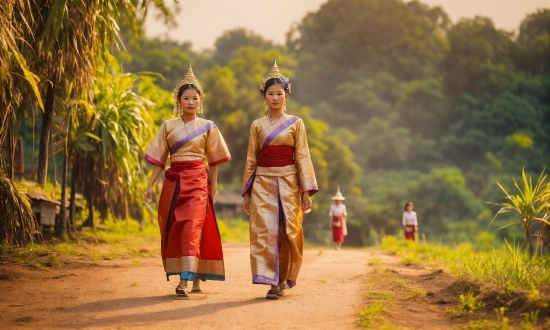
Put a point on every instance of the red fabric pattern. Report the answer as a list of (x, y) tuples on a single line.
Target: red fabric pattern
[(337, 229), (193, 230), (409, 235), (274, 156)]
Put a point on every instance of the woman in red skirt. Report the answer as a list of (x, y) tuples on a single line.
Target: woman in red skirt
[(338, 216), (191, 246), (410, 223)]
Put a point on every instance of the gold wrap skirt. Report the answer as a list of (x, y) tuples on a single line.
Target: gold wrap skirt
[(276, 234)]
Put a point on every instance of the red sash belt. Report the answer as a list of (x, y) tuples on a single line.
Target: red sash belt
[(276, 156), (175, 167)]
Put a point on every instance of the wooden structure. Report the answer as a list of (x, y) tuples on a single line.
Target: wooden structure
[(229, 205), (45, 209)]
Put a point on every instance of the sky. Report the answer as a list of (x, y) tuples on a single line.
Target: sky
[(201, 22)]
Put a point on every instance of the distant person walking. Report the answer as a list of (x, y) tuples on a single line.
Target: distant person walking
[(338, 216), (410, 222)]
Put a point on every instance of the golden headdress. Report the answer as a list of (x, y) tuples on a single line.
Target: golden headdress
[(275, 73), (189, 79)]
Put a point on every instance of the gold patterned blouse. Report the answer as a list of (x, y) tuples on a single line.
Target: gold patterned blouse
[(196, 140), (287, 131)]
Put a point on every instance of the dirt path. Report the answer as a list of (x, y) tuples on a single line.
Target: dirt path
[(120, 294)]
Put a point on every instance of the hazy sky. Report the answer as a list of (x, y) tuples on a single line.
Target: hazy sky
[(202, 21)]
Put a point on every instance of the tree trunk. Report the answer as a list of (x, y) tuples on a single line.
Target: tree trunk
[(527, 241), (72, 203), (531, 250), (47, 122), (11, 149), (62, 228), (90, 221), (61, 225)]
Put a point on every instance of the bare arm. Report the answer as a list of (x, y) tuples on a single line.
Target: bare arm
[(149, 192), (213, 181)]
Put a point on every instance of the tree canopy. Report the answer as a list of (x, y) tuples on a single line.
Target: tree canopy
[(399, 104)]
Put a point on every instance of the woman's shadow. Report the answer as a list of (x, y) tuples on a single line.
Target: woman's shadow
[(177, 313)]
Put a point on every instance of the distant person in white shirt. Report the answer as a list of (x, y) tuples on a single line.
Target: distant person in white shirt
[(410, 223), (338, 216)]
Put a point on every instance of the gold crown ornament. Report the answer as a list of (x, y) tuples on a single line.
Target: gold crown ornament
[(189, 79), (275, 73)]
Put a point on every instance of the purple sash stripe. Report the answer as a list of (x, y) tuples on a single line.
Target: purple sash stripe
[(249, 183), (259, 279), (191, 136), (279, 129)]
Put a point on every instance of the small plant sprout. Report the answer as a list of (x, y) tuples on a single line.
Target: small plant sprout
[(415, 293), (468, 305), (530, 320)]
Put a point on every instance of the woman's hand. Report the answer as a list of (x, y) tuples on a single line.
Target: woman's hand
[(213, 192), (306, 201), (246, 203), (147, 196)]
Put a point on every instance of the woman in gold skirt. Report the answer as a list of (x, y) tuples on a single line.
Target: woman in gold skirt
[(278, 183)]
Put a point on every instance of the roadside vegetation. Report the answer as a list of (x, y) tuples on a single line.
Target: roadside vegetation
[(113, 239), (494, 287)]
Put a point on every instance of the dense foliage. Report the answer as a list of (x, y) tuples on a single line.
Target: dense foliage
[(400, 104)]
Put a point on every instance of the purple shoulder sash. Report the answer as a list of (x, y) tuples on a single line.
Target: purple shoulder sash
[(191, 136), (279, 129)]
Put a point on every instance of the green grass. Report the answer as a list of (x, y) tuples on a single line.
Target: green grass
[(375, 261), (234, 231), (502, 322), (530, 320), (116, 231), (409, 259), (385, 288), (379, 295), (468, 304), (112, 239), (42, 256), (415, 293), (371, 316), (506, 267)]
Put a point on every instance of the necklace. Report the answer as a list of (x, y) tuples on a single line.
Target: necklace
[(273, 122)]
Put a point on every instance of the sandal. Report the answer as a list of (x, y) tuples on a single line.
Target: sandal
[(272, 294), (281, 290), (180, 292), (196, 291)]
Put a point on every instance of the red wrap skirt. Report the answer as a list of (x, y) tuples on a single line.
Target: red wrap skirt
[(337, 229), (409, 232), (190, 239)]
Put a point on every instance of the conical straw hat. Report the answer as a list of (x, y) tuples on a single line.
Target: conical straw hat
[(338, 196)]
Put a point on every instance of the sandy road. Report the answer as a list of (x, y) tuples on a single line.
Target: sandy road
[(121, 294)]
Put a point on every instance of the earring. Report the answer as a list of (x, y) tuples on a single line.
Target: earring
[(177, 108), (284, 107), (266, 108), (200, 110)]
